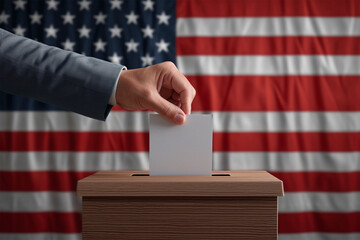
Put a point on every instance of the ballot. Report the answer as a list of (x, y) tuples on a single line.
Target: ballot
[(181, 150)]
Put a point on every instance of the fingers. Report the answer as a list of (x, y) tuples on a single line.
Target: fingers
[(166, 109)]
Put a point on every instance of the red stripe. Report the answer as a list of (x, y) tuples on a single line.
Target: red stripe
[(263, 8), (54, 222), (319, 181), (319, 222), (66, 181), (267, 45), (232, 141), (276, 93), (40, 180)]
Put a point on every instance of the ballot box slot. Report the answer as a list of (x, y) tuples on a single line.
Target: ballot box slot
[(214, 175)]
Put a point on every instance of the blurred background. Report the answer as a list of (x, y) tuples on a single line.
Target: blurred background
[(281, 78)]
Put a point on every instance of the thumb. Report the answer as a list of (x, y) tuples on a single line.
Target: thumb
[(168, 110)]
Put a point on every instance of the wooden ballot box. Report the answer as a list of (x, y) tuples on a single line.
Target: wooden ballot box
[(134, 205)]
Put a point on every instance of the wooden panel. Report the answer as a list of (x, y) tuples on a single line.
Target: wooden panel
[(179, 218), (122, 183)]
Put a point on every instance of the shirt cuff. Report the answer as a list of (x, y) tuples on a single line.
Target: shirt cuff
[(112, 100)]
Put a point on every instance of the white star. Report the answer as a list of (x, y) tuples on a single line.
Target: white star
[(100, 18), (148, 5), (68, 45), (132, 18), (52, 4), (36, 18), (68, 18), (100, 46), (163, 18), (20, 4), (116, 4), (51, 31), (4, 17), (162, 46), (115, 58), (115, 31), (84, 32), (19, 30), (132, 46), (148, 31), (84, 5), (147, 60)]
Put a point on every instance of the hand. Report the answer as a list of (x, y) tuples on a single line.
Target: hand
[(160, 87)]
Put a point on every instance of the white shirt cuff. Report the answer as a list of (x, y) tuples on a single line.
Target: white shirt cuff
[(112, 100)]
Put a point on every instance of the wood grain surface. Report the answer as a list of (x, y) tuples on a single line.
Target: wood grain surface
[(122, 183), (180, 218)]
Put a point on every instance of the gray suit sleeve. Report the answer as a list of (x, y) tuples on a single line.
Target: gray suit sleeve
[(65, 79)]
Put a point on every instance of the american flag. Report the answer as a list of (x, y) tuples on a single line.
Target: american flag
[(281, 78)]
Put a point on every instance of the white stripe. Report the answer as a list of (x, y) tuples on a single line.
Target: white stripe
[(270, 65), (319, 202), (100, 161), (320, 236), (73, 161), (39, 202), (39, 236), (222, 121), (268, 26), (69, 202)]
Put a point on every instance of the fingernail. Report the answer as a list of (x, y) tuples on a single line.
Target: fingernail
[(179, 118)]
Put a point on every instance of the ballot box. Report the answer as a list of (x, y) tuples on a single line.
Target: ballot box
[(134, 205)]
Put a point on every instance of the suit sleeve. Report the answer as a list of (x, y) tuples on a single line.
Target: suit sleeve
[(48, 74)]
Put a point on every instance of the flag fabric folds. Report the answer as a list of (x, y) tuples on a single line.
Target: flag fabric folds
[(281, 78)]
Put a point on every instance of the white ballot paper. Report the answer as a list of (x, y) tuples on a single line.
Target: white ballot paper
[(181, 149)]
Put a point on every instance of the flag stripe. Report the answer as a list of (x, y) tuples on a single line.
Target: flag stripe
[(297, 45), (46, 201), (39, 202), (40, 236), (320, 236), (107, 161), (267, 26), (276, 93), (40, 222), (235, 141), (222, 121), (251, 8), (270, 65), (309, 222), (66, 181)]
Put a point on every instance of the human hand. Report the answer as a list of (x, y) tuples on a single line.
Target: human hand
[(159, 87)]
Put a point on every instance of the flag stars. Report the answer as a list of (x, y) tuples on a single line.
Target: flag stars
[(131, 45), (52, 4), (148, 31), (84, 32), (35, 18), (132, 18), (19, 30), (84, 5), (162, 46), (19, 4), (115, 58), (116, 4), (68, 18), (163, 18), (100, 46), (4, 17), (148, 5), (115, 31), (51, 31), (147, 60), (68, 45), (100, 18)]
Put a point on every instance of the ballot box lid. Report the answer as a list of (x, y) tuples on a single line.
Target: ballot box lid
[(221, 183)]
